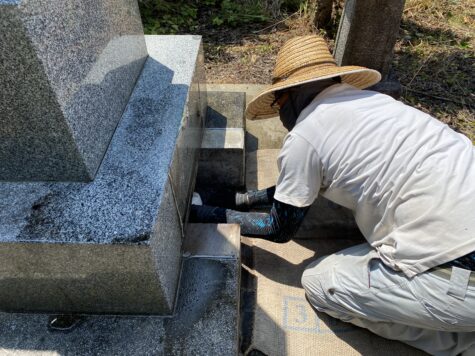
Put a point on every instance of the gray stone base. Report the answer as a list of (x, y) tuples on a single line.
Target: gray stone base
[(113, 245), (222, 158), (225, 109), (205, 323), (67, 70), (222, 155)]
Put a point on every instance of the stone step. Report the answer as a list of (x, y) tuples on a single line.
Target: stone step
[(222, 157), (113, 245), (205, 321), (260, 134), (225, 110)]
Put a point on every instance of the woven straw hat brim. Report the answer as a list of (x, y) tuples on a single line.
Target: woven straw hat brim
[(359, 77)]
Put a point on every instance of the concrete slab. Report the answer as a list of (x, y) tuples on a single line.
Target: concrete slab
[(213, 240), (265, 134), (222, 157), (113, 245), (225, 109), (231, 138), (260, 134), (250, 89)]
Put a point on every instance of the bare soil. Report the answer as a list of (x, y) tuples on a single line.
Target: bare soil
[(434, 56)]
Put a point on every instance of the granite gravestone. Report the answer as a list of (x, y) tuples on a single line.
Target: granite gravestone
[(110, 245), (67, 68)]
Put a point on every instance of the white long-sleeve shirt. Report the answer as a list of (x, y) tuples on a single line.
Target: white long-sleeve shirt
[(408, 178)]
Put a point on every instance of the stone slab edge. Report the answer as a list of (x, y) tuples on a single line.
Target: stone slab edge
[(102, 212), (205, 322)]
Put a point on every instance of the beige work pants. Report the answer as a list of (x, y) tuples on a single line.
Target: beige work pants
[(430, 312)]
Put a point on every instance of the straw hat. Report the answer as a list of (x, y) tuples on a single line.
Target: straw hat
[(306, 59)]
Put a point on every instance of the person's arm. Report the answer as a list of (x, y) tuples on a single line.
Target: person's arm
[(254, 198), (297, 187), (279, 225)]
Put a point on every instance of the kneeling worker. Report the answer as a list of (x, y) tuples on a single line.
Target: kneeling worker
[(410, 182)]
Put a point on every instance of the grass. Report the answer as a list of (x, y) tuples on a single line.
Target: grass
[(434, 56), (435, 60)]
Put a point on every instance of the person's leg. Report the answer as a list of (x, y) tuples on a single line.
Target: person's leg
[(434, 342), (355, 286)]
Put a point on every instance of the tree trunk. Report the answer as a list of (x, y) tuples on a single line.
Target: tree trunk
[(323, 13)]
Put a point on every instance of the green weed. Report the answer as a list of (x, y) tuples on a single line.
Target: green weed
[(165, 16)]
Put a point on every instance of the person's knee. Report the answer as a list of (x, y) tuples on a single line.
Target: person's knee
[(313, 283), (317, 267)]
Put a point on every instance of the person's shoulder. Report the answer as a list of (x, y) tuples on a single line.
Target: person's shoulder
[(356, 102), (304, 134)]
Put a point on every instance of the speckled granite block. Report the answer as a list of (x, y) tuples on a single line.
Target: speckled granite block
[(225, 110), (222, 157), (205, 323), (68, 68), (113, 245)]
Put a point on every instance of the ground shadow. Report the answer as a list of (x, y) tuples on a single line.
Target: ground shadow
[(299, 320), (436, 68)]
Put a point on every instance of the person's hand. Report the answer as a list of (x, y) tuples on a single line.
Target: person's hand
[(242, 201), (196, 199)]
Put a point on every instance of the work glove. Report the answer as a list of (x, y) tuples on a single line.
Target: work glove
[(242, 201), (196, 199), (254, 198)]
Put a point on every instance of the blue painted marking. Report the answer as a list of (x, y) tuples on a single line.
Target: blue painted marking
[(299, 316)]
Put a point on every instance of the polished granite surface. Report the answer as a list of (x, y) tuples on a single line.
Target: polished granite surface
[(68, 68), (139, 197)]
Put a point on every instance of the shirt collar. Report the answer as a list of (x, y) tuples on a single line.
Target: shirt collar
[(332, 90)]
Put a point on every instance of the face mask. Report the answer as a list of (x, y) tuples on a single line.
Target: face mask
[(299, 98), (288, 114)]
